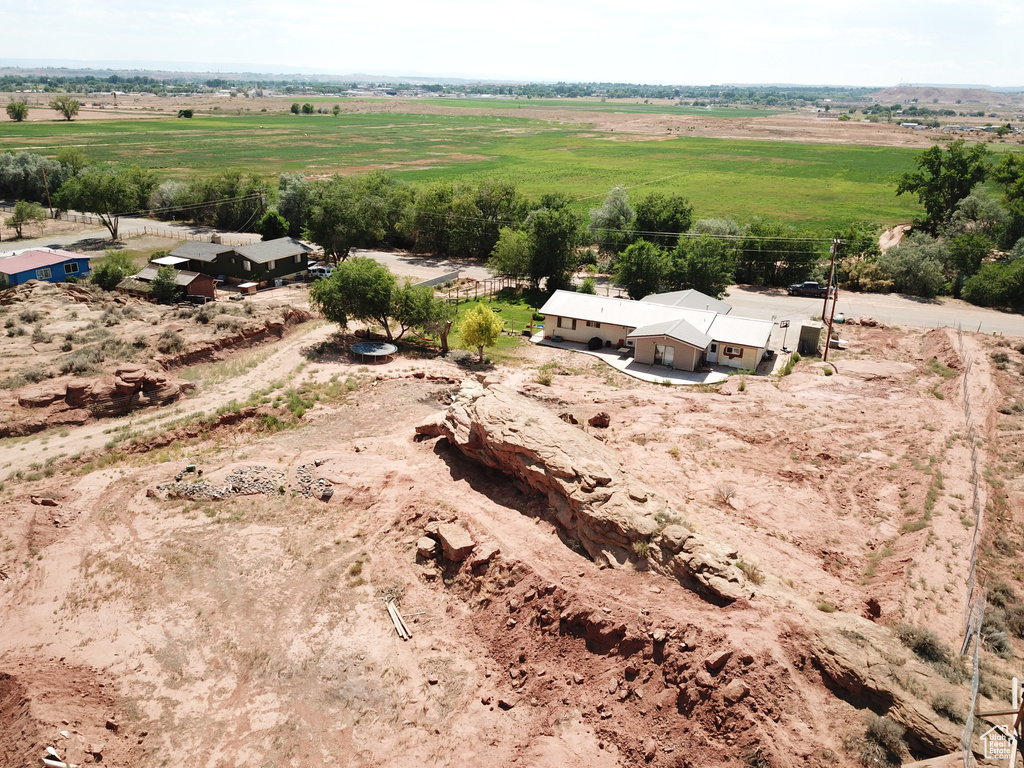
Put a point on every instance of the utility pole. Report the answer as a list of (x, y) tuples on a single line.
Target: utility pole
[(46, 186), (828, 291)]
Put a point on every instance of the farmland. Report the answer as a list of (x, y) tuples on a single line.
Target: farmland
[(818, 185)]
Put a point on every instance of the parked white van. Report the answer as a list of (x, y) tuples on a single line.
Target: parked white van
[(318, 271)]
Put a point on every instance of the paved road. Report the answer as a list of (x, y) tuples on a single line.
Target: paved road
[(891, 309)]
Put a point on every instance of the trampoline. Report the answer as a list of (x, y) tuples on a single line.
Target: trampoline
[(374, 351)]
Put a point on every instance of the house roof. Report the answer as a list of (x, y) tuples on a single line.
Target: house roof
[(680, 330), (182, 277), (742, 331), (625, 312), (201, 251), (690, 299), (171, 261), (648, 318), (271, 250), (38, 258)]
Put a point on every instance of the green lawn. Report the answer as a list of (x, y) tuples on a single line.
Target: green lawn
[(515, 311), (820, 186)]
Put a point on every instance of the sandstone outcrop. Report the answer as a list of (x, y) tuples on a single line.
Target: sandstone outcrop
[(593, 499)]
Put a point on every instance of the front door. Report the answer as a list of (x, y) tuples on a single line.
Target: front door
[(664, 355), (713, 353)]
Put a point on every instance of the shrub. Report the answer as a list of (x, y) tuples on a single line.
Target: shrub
[(825, 607), (39, 336), (724, 493), (946, 705), (16, 330), (925, 643), (752, 572), (29, 315), (1001, 594), (888, 735), (170, 341), (641, 549)]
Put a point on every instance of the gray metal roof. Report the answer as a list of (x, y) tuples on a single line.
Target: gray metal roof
[(200, 251), (742, 331), (690, 299), (624, 312), (680, 330), (182, 277), (271, 250), (642, 316)]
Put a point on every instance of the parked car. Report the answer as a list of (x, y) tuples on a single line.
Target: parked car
[(318, 271), (810, 288)]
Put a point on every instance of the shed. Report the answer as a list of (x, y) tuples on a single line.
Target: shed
[(52, 265), (194, 283)]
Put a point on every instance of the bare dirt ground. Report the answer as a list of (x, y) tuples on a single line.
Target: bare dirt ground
[(807, 125), (250, 629)]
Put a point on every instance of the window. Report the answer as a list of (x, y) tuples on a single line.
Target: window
[(714, 348), (43, 274), (270, 266), (559, 323), (593, 324), (574, 323), (298, 257), (247, 265), (734, 351), (71, 268)]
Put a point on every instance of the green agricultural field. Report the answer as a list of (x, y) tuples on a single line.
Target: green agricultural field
[(813, 185)]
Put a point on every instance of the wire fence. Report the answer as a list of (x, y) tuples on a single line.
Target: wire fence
[(974, 600)]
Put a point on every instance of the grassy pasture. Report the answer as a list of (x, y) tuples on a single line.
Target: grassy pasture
[(820, 186)]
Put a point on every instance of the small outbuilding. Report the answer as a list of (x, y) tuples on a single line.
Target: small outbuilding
[(51, 265)]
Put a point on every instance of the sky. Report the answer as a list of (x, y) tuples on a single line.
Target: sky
[(814, 42)]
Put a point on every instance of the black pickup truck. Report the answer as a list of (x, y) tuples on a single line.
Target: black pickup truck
[(812, 289)]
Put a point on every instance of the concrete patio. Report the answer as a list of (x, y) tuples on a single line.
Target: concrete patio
[(656, 374)]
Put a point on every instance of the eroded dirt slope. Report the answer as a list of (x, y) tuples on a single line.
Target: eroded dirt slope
[(250, 629)]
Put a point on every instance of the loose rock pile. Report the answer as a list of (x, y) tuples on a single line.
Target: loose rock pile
[(250, 481)]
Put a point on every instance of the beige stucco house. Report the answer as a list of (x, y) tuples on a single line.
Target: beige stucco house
[(678, 337)]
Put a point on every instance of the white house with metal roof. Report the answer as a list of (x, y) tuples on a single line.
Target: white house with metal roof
[(659, 334)]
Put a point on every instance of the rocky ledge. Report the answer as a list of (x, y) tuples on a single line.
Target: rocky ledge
[(615, 518)]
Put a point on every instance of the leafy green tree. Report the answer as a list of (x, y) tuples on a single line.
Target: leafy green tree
[(25, 212), (722, 228), (272, 225), (661, 218), (996, 285), (17, 111), (511, 254), (164, 287), (1009, 173), (640, 269), (411, 306), (26, 176), (73, 159), (611, 224), (295, 108), (703, 263), (966, 253), (335, 110), (438, 320), (979, 213), (170, 200), (307, 109), (359, 289), (292, 200), (588, 286), (342, 213), (943, 179), (108, 192), (772, 253), (480, 328), (186, 113), (232, 201), (67, 106), (555, 232), (110, 270), (915, 267)]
